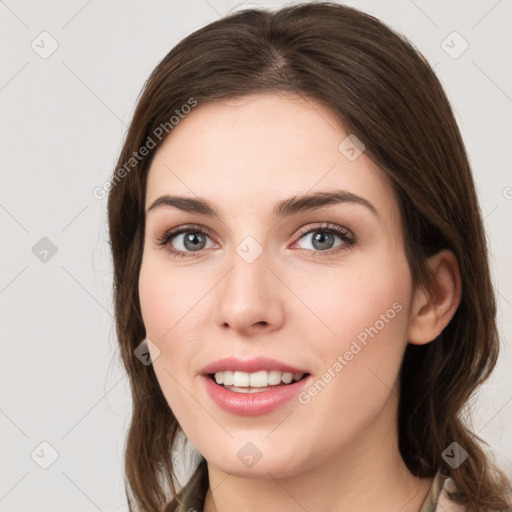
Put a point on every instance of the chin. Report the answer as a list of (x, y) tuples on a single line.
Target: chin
[(257, 459)]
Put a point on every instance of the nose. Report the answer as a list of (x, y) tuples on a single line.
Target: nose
[(250, 300)]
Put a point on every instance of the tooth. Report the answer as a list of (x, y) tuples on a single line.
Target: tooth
[(287, 377), (240, 379), (258, 379), (274, 377), (246, 390), (228, 378)]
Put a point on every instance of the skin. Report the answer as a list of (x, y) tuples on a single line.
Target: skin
[(340, 450)]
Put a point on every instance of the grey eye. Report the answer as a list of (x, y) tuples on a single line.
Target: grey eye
[(190, 241), (321, 240)]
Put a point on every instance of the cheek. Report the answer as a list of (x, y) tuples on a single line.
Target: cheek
[(364, 304), (161, 302), (172, 310), (167, 297), (368, 312), (365, 316), (156, 301)]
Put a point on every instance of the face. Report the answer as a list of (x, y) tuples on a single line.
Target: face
[(273, 286)]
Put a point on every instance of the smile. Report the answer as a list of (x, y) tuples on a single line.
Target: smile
[(253, 401), (243, 382)]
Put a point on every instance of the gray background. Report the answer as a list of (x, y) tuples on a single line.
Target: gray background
[(63, 118)]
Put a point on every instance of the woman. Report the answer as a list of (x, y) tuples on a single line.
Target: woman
[(296, 238)]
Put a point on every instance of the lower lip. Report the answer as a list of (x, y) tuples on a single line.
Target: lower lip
[(252, 404)]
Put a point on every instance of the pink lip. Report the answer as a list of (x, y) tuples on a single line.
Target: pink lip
[(249, 366), (252, 404)]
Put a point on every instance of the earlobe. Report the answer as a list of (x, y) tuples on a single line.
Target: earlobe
[(433, 309)]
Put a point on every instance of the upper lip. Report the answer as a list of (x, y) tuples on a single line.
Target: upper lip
[(250, 365)]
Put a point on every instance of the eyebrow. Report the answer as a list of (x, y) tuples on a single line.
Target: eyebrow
[(285, 208)]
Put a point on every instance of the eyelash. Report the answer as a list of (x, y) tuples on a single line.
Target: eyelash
[(345, 235)]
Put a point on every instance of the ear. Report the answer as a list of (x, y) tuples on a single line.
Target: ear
[(432, 310)]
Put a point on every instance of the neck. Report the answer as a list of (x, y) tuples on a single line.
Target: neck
[(369, 474)]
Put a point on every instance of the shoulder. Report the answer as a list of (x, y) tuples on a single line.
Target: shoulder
[(445, 504)]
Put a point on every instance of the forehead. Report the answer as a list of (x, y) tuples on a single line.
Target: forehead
[(260, 149)]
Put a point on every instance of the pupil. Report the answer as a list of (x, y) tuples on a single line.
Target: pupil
[(192, 239)]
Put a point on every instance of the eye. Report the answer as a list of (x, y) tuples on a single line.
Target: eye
[(323, 238), (184, 241)]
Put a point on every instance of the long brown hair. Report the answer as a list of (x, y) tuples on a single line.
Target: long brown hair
[(383, 91)]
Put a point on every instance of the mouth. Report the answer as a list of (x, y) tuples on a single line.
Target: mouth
[(253, 394), (252, 387), (256, 382)]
